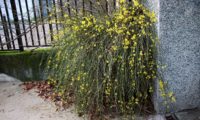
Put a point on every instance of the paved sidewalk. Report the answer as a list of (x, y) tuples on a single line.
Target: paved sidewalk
[(16, 104), (6, 78), (193, 114)]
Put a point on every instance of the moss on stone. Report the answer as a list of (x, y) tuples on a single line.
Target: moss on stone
[(27, 65)]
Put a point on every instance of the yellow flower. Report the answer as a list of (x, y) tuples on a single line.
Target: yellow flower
[(83, 22), (114, 47), (153, 16), (136, 101), (78, 78), (143, 32), (151, 89), (133, 37), (145, 73), (163, 94), (121, 1), (141, 53), (170, 94), (100, 56), (136, 3), (161, 84), (82, 87), (82, 65), (126, 42), (173, 99), (128, 33), (108, 23)]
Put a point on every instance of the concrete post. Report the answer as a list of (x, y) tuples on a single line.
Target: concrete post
[(178, 29)]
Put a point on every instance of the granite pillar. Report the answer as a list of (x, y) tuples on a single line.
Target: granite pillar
[(178, 30)]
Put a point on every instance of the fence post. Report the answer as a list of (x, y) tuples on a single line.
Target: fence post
[(56, 17), (83, 5), (6, 33), (42, 19), (9, 22), (29, 21), (49, 19), (17, 27), (76, 6), (36, 21), (1, 43), (5, 29), (23, 23)]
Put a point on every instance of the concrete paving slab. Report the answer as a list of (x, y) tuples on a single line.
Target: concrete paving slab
[(7, 78), (188, 115), (16, 104)]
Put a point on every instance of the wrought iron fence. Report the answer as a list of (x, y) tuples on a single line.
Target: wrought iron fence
[(26, 24)]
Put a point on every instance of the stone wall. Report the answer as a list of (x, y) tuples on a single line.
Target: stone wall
[(178, 29), (25, 66)]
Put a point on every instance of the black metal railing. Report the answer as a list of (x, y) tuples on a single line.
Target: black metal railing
[(26, 23)]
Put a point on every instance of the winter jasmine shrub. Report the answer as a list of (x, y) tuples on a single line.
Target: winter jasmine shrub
[(107, 61)]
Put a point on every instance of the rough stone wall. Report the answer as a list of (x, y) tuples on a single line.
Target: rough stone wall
[(25, 66), (179, 49)]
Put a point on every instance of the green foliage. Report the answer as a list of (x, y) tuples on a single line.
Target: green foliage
[(107, 61)]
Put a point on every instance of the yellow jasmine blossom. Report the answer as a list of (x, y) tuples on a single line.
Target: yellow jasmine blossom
[(114, 47), (136, 3), (126, 42)]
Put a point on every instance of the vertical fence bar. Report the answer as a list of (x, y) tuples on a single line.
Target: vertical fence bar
[(49, 19), (76, 6), (36, 22), (42, 18), (68, 7), (17, 27), (61, 6), (62, 12), (106, 6), (8, 18), (129, 3), (5, 30), (114, 4), (56, 19), (1, 43), (83, 5), (23, 24), (91, 7), (29, 22), (6, 33)]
